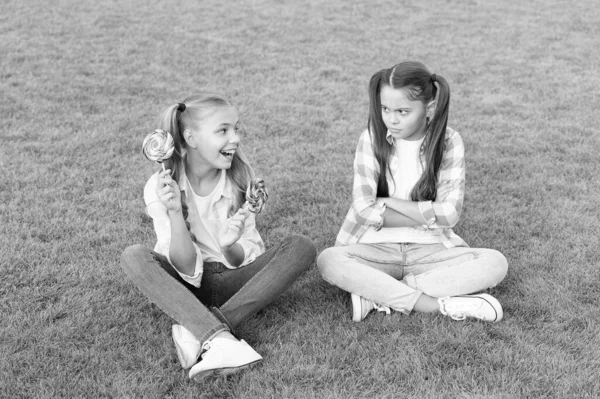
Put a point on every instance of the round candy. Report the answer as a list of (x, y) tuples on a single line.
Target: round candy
[(256, 195), (158, 146)]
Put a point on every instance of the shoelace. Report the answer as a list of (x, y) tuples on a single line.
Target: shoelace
[(380, 308), (450, 312), (458, 316), (205, 347)]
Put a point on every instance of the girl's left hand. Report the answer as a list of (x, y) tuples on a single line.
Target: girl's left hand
[(232, 230)]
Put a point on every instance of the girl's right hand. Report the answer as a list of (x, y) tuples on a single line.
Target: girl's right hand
[(232, 229), (168, 192)]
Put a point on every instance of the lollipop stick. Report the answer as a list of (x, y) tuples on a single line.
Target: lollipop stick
[(163, 168)]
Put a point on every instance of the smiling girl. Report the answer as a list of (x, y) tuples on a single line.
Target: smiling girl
[(396, 249), (209, 270)]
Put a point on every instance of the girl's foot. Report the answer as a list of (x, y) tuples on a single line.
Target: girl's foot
[(223, 356), (362, 307), (187, 346), (482, 306)]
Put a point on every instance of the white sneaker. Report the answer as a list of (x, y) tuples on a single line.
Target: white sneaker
[(187, 346), (223, 356), (481, 306), (362, 307)]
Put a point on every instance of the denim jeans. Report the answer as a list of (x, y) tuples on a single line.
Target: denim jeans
[(395, 275), (226, 297)]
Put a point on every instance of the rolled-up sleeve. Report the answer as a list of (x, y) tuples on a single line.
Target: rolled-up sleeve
[(162, 227), (445, 211), (364, 192)]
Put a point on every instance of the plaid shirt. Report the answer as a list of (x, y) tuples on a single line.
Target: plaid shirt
[(250, 240), (441, 214)]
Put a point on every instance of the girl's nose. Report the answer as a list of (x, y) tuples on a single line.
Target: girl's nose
[(234, 137)]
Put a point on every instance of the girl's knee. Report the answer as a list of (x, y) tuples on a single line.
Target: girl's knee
[(498, 263), (328, 260), (131, 256), (304, 247), (302, 242)]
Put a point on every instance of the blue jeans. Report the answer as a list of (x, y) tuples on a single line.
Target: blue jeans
[(395, 275), (226, 297)]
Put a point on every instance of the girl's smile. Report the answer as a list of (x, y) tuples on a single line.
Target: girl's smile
[(216, 141)]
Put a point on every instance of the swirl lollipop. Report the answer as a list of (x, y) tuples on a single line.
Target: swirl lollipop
[(256, 196), (158, 146)]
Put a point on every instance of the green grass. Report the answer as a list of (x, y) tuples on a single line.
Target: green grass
[(82, 82)]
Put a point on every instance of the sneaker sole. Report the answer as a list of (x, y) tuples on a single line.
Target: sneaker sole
[(356, 308), (222, 372)]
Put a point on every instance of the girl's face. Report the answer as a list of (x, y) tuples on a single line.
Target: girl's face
[(217, 139), (404, 118)]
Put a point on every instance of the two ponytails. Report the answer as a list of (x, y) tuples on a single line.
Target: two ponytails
[(419, 84)]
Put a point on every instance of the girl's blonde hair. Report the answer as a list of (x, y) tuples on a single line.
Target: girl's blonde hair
[(189, 115)]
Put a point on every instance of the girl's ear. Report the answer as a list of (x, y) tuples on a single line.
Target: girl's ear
[(189, 138), (431, 109)]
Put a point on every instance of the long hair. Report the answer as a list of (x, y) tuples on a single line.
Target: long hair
[(176, 122), (419, 84)]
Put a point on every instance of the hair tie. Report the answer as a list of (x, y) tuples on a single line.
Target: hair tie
[(181, 107), (433, 78)]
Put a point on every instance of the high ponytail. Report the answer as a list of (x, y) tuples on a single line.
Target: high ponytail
[(171, 123)]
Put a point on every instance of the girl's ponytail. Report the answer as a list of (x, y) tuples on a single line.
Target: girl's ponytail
[(434, 144), (378, 131), (171, 123)]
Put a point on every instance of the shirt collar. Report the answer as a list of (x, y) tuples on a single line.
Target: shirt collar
[(390, 139), (223, 186)]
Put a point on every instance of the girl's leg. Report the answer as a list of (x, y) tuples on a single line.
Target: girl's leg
[(371, 271), (157, 279), (374, 273), (246, 290), (447, 275), (454, 271)]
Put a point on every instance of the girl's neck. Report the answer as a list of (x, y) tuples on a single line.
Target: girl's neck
[(202, 177)]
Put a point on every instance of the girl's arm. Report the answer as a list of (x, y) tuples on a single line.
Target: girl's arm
[(229, 234), (395, 218), (445, 211), (181, 251), (173, 239), (367, 211), (247, 244)]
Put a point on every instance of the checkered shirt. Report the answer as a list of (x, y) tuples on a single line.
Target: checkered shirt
[(441, 214)]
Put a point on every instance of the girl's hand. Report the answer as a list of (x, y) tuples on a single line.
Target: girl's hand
[(168, 192), (232, 229)]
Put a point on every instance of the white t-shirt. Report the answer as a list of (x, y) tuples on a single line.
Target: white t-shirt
[(406, 172)]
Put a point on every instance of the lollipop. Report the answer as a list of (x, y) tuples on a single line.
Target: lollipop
[(256, 196), (158, 146)]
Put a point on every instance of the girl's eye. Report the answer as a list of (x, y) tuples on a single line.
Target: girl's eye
[(384, 109)]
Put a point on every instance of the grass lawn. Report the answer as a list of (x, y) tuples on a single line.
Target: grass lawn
[(82, 82)]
